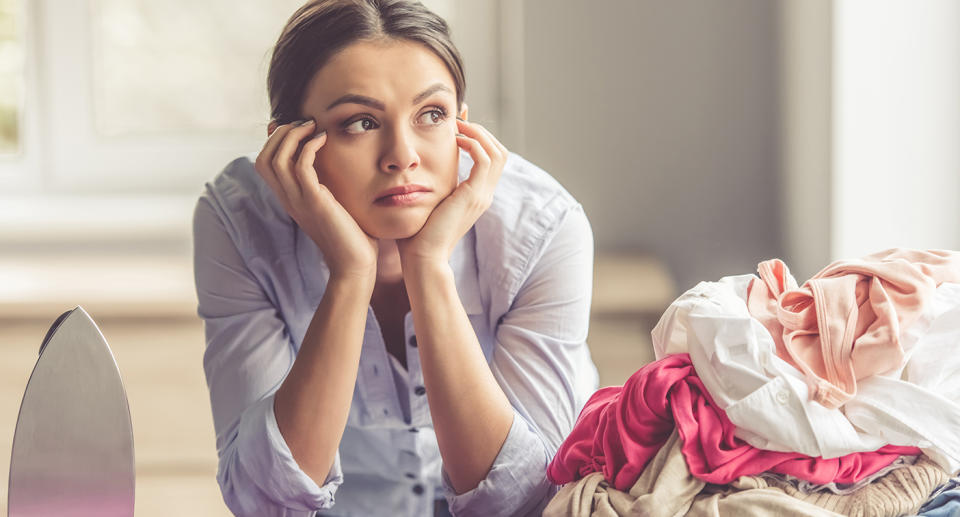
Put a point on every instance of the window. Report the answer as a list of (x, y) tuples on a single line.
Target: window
[(152, 96), (134, 97)]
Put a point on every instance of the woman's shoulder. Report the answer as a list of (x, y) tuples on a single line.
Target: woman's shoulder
[(524, 184), (528, 209), (527, 198), (239, 183), (245, 204)]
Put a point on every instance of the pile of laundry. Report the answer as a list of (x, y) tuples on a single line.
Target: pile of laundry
[(837, 397)]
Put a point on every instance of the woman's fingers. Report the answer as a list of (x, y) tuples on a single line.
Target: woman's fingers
[(282, 161), (494, 148), (498, 158), (306, 174), (489, 157), (273, 141), (498, 149), (264, 162), (481, 161), (468, 139)]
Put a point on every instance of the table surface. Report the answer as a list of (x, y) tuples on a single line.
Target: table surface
[(158, 345)]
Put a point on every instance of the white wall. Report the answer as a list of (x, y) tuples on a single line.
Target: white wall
[(871, 128), (896, 132)]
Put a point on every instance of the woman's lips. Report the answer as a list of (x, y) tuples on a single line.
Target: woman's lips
[(402, 196), (401, 199)]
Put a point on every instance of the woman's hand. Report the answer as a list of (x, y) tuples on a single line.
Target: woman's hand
[(456, 214), (346, 248)]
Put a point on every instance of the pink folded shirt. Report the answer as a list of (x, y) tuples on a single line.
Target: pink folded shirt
[(621, 428), (845, 323)]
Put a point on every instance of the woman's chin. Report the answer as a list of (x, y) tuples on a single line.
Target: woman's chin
[(396, 228)]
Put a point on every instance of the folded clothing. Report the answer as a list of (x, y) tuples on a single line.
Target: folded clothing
[(944, 502), (666, 489), (621, 428), (807, 487), (899, 492)]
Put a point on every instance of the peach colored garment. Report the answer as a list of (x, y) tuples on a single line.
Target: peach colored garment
[(845, 323)]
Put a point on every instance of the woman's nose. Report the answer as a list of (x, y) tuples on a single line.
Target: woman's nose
[(400, 155)]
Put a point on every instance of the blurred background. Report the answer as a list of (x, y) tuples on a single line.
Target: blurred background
[(701, 138)]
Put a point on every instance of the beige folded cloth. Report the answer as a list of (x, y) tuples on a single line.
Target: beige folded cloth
[(718, 501), (667, 489), (902, 491)]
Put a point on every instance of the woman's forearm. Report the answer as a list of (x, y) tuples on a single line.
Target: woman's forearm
[(471, 415), (313, 402)]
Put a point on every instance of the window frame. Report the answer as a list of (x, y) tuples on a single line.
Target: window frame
[(80, 159)]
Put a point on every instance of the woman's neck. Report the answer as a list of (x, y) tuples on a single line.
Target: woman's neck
[(389, 271), (389, 293)]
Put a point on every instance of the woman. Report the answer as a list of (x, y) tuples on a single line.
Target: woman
[(395, 306)]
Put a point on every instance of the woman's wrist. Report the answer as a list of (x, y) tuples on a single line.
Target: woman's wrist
[(425, 267), (358, 281)]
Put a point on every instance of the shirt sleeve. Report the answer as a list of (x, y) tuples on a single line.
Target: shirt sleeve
[(543, 365), (248, 354)]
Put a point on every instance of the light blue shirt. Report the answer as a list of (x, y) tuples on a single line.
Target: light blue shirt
[(524, 275)]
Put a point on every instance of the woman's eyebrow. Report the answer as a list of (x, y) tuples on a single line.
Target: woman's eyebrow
[(352, 98)]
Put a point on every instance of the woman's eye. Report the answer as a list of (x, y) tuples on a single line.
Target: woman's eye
[(434, 117), (360, 125)]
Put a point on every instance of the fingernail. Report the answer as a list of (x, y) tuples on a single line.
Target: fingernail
[(318, 135), (306, 122), (460, 119)]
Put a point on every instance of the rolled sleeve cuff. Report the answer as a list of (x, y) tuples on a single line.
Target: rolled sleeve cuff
[(264, 455), (517, 482)]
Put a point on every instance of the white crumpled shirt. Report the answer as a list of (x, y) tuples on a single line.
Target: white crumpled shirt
[(767, 399)]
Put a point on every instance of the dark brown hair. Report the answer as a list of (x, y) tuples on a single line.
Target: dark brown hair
[(321, 28)]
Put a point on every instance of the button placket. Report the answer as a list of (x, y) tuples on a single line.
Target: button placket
[(380, 390), (366, 385), (419, 410), (410, 465)]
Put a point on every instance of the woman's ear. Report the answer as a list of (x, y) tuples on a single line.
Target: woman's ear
[(271, 127), (463, 111)]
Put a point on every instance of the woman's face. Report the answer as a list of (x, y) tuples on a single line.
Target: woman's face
[(389, 109)]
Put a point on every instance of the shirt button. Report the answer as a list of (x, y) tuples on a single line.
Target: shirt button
[(783, 397), (420, 390), (410, 475), (418, 489), (413, 341)]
